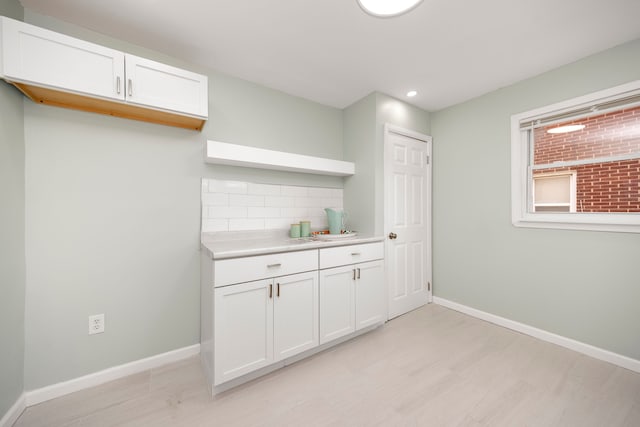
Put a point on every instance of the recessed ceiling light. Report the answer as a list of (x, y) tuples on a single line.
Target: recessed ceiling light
[(388, 8), (412, 93), (566, 129)]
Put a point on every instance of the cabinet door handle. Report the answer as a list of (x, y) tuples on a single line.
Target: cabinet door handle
[(130, 87), (118, 85), (270, 291), (358, 273), (273, 265), (278, 291), (354, 274)]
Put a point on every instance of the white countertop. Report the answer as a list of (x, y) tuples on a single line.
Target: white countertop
[(233, 244)]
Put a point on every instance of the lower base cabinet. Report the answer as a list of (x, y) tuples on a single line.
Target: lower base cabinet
[(370, 294), (337, 308), (260, 311), (264, 321), (351, 298)]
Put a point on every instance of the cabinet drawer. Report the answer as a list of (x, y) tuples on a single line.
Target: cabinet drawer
[(344, 255), (238, 270)]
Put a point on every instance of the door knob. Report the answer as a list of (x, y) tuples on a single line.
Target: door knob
[(392, 236)]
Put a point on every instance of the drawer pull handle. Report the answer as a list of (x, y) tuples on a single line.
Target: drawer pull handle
[(273, 265), (270, 291), (278, 291), (355, 253), (358, 273)]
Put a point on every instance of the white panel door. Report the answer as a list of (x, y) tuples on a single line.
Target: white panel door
[(157, 85), (243, 335), (35, 55), (407, 219), (370, 294), (295, 318), (337, 303)]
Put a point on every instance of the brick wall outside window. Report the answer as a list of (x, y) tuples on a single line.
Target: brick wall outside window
[(601, 187)]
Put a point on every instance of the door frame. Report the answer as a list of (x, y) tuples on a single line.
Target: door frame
[(393, 129)]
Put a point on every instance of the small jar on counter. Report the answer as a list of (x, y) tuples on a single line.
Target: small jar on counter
[(305, 228), (294, 232)]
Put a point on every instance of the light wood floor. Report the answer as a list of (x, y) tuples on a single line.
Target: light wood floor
[(431, 367)]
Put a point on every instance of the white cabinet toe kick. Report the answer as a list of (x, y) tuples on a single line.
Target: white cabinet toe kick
[(261, 313)]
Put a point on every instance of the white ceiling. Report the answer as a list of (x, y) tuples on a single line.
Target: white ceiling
[(331, 52)]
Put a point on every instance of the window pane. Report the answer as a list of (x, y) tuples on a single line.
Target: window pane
[(611, 134), (604, 155)]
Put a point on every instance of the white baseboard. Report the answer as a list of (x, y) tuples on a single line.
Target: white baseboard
[(34, 397), (580, 347), (14, 412)]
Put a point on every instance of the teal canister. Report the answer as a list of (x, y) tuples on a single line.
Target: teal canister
[(294, 232), (305, 228)]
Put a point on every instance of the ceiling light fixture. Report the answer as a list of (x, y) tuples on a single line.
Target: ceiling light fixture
[(388, 8), (566, 129), (412, 93)]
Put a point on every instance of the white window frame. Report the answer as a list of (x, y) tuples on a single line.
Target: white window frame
[(521, 215)]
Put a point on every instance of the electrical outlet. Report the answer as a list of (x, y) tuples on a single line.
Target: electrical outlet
[(96, 324)]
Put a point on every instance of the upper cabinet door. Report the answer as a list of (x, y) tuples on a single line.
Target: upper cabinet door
[(162, 86), (34, 55)]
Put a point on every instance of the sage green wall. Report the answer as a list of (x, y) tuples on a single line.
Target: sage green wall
[(359, 147), (579, 284), (12, 245), (12, 240), (364, 144), (113, 216)]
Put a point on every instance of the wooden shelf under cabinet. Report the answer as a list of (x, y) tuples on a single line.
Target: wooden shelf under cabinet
[(96, 105)]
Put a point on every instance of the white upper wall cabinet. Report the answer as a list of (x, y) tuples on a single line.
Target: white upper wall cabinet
[(151, 83), (56, 69), (35, 55)]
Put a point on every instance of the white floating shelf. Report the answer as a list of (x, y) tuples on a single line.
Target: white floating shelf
[(222, 153)]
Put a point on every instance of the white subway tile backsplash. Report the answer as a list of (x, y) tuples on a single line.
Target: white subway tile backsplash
[(211, 225), (241, 224), (306, 202), (238, 205), (263, 212), (319, 223), (294, 213), (231, 187), (317, 212), (288, 190), (227, 212), (215, 199), (332, 203), (279, 201), (243, 200), (320, 192), (278, 223), (264, 189)]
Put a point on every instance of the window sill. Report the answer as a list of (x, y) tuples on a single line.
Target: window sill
[(629, 223)]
